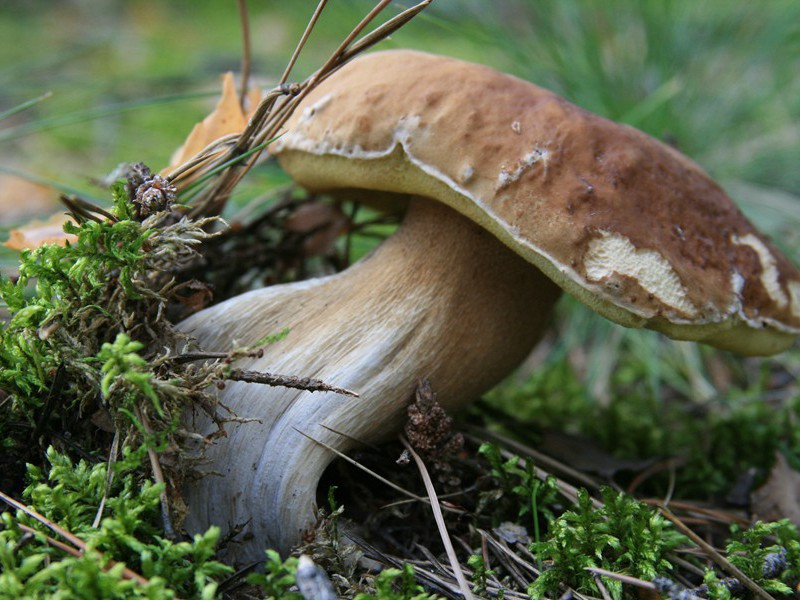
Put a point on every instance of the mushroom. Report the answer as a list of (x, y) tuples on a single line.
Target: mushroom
[(511, 194)]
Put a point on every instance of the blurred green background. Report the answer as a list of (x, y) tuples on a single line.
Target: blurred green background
[(718, 79)]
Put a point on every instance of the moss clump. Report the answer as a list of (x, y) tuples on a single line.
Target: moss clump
[(86, 371)]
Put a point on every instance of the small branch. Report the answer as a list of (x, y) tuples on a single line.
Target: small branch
[(289, 381), (385, 30), (334, 61), (81, 209), (479, 433), (439, 518), (274, 110), (52, 397), (126, 572), (71, 538), (74, 540), (228, 357), (368, 471), (601, 586), (623, 578), (723, 563), (245, 50), (158, 476), (501, 549), (112, 459), (774, 564), (193, 356), (302, 42)]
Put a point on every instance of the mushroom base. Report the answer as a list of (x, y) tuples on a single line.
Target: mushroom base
[(440, 299)]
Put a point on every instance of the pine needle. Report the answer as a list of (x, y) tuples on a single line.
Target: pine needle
[(73, 539), (439, 518), (711, 552)]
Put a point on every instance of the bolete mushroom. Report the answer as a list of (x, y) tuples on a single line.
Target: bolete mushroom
[(512, 194)]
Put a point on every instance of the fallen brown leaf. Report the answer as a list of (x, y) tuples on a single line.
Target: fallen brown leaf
[(226, 118), (21, 199), (37, 233), (321, 223), (586, 455), (779, 497)]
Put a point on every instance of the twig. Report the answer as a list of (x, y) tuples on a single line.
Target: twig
[(73, 539), (369, 471), (317, 12), (774, 564), (501, 548), (112, 459), (447, 571), (439, 518), (351, 438), (52, 397), (711, 515), (203, 355), (126, 573), (538, 457), (386, 29), (275, 109), (289, 381), (83, 209), (245, 19), (567, 490), (685, 564), (332, 61), (623, 578), (601, 586), (158, 475), (723, 563)]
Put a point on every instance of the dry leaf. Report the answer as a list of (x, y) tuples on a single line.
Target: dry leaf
[(194, 296), (779, 497), (36, 233), (585, 455), (21, 199), (322, 223), (226, 118)]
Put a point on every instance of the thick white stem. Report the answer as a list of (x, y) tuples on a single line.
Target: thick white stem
[(440, 299)]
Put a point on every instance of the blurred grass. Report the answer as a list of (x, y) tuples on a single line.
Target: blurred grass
[(716, 78)]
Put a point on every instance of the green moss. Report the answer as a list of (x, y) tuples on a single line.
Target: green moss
[(86, 336), (129, 534)]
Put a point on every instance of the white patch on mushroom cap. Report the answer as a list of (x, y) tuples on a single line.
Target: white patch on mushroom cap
[(538, 154), (405, 128), (794, 292), (612, 254), (309, 111), (769, 268), (737, 285), (466, 173)]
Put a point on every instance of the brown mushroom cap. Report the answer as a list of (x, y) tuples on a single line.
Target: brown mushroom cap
[(628, 225)]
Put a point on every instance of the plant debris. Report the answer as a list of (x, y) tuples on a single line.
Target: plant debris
[(779, 497), (429, 430), (37, 233)]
